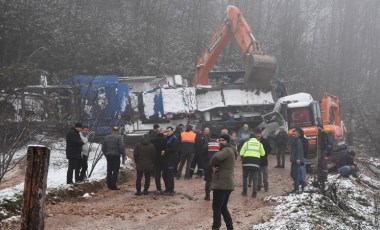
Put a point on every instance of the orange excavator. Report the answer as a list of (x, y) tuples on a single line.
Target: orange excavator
[(300, 110), (259, 68)]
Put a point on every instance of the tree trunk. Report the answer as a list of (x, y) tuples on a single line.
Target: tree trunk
[(33, 207)]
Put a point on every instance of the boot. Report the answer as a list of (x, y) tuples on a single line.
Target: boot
[(199, 174), (254, 194), (207, 197), (244, 193)]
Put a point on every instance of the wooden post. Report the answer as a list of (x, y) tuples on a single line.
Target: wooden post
[(33, 205)]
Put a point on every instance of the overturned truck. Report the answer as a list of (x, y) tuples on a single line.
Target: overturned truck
[(171, 102)]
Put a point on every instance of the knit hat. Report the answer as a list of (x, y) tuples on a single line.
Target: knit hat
[(78, 125), (225, 137)]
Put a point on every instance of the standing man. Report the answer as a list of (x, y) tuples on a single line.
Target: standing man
[(85, 152), (281, 142), (326, 147), (153, 133), (143, 156), (187, 151), (73, 152), (212, 148), (113, 149), (170, 161), (159, 143), (222, 184), (200, 146), (177, 132), (263, 172), (251, 152), (297, 159)]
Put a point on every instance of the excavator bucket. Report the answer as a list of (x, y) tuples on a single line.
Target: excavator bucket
[(259, 71)]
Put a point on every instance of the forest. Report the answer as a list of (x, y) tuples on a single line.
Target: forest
[(321, 46)]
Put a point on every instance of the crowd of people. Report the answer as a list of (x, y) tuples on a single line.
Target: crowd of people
[(163, 154)]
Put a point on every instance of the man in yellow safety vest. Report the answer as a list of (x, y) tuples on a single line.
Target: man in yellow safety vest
[(250, 153)]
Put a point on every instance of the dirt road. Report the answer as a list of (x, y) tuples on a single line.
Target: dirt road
[(186, 210)]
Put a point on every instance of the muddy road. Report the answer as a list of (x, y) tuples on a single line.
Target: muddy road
[(108, 209)]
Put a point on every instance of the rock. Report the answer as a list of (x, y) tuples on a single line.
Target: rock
[(318, 227), (264, 218)]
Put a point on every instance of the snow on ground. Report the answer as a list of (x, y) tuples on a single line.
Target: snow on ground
[(347, 204), (58, 169)]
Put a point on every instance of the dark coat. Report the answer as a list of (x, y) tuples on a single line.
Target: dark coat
[(325, 143), (346, 159), (159, 143), (143, 155), (172, 144), (200, 144), (223, 178), (152, 134), (267, 148), (73, 144), (281, 139)]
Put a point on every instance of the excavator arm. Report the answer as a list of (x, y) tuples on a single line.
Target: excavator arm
[(259, 68)]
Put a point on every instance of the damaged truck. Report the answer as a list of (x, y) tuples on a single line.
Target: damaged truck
[(215, 99)]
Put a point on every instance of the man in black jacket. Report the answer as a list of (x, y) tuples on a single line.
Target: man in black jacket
[(170, 160), (159, 143), (200, 146), (347, 165), (73, 152)]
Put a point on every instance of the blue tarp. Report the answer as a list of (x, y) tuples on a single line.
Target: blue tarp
[(103, 101)]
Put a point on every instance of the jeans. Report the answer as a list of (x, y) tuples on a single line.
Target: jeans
[(113, 166), (246, 177), (74, 165), (263, 177), (219, 208), (347, 170), (188, 158), (281, 156), (138, 180), (297, 173)]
